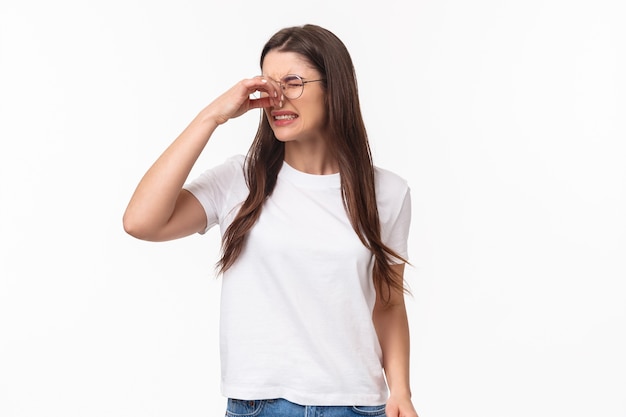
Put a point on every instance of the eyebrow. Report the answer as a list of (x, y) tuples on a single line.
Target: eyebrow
[(286, 74)]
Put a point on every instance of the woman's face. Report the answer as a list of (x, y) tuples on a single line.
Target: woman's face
[(299, 119)]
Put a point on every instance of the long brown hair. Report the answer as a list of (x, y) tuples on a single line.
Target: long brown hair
[(327, 54)]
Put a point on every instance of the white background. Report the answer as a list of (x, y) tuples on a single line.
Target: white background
[(506, 117)]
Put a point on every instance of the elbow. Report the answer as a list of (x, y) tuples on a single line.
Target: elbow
[(135, 227), (131, 228)]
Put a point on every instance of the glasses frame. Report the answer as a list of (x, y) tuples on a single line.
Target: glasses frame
[(302, 80)]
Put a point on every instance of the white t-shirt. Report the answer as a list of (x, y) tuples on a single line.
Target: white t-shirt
[(296, 306)]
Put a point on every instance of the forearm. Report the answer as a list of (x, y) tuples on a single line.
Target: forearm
[(393, 333)]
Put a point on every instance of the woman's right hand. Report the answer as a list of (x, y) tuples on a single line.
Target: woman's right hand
[(237, 100)]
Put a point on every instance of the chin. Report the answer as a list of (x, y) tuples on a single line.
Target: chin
[(284, 138)]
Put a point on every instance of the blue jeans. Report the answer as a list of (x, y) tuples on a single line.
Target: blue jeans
[(284, 408)]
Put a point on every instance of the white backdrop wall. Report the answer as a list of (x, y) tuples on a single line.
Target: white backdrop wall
[(506, 117)]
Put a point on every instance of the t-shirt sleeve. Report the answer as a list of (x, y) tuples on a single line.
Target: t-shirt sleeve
[(394, 209), (214, 187), (396, 232)]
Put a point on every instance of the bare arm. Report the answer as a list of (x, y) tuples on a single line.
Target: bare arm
[(160, 209), (392, 327)]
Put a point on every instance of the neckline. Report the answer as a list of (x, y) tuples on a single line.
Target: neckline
[(305, 179)]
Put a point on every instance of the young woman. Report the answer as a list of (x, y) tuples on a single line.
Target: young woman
[(314, 239)]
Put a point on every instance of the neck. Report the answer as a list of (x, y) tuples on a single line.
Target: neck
[(310, 158)]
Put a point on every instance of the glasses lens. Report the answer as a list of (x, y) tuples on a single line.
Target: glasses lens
[(292, 86)]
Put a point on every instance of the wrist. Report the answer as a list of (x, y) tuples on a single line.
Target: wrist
[(400, 392), (208, 119)]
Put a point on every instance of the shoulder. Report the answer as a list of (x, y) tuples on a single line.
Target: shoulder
[(220, 177), (393, 195), (388, 183), (230, 169), (235, 162)]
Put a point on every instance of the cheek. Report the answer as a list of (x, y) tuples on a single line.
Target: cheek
[(313, 120), (316, 110), (321, 117)]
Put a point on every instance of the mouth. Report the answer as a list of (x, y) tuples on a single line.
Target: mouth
[(285, 116)]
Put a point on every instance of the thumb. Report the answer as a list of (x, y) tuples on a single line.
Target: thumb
[(392, 410), (260, 102)]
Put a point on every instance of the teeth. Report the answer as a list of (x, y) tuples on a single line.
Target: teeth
[(285, 117)]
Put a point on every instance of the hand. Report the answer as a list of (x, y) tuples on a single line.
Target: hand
[(237, 101), (400, 407)]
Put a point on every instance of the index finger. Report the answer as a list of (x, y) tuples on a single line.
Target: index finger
[(266, 87)]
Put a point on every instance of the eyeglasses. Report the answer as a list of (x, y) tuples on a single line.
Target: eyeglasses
[(293, 85)]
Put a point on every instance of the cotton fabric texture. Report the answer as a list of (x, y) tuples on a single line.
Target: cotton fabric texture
[(296, 307)]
